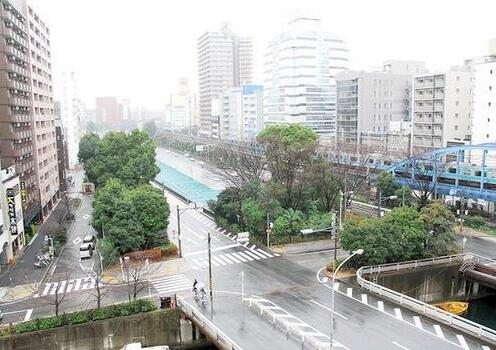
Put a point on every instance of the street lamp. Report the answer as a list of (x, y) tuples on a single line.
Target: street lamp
[(382, 200), (180, 211), (356, 252)]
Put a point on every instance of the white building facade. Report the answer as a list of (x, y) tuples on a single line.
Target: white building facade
[(241, 113), (225, 60), (442, 109), (181, 106), (300, 66)]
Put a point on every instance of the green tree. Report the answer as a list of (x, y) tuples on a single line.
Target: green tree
[(287, 149), (289, 224), (87, 147), (404, 194), (324, 186), (386, 184), (127, 157), (440, 235), (254, 216), (150, 128)]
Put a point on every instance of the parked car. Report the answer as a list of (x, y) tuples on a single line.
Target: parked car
[(85, 251), (91, 240)]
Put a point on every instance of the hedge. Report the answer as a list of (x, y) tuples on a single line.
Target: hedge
[(78, 317)]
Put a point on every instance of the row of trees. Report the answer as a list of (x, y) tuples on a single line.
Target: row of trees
[(302, 192), (405, 233), (128, 212)]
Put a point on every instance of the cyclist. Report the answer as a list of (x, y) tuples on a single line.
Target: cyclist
[(194, 286)]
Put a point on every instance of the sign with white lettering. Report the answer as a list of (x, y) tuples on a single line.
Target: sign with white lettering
[(12, 210)]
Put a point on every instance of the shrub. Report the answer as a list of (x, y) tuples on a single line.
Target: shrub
[(476, 222)]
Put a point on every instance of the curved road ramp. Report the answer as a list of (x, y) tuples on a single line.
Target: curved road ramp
[(469, 327), (307, 336)]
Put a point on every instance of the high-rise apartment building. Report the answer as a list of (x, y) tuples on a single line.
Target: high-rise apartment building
[(241, 113), (442, 109), (225, 60), (27, 125), (484, 97), (299, 75), (71, 115), (374, 103), (43, 110), (108, 110), (181, 106)]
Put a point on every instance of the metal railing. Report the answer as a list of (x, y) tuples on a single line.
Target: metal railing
[(428, 310), (207, 328)]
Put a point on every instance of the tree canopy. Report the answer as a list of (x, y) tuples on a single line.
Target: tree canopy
[(87, 147), (150, 127), (130, 219), (127, 157), (403, 234)]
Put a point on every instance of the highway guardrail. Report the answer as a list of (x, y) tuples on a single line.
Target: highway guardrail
[(458, 322)]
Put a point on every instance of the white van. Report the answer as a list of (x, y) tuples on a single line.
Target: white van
[(85, 251)]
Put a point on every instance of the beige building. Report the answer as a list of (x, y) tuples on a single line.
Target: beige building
[(442, 105), (43, 110)]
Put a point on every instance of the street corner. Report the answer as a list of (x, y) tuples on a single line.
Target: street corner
[(9, 294), (278, 249), (111, 279)]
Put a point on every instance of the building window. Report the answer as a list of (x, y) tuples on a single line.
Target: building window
[(488, 120), (456, 127), (457, 90), (490, 88), (489, 104), (456, 115), (487, 136), (458, 78), (457, 103), (491, 71)]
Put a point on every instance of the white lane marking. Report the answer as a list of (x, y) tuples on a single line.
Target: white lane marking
[(246, 256), (463, 342), (90, 283), (200, 252), (265, 253), (77, 285), (250, 253), (253, 247), (220, 261), (28, 315), (439, 331), (397, 312), (246, 244), (69, 286), (349, 292), (336, 286), (77, 240), (400, 346), (364, 299), (53, 270), (230, 256), (258, 254), (225, 258), (416, 319), (240, 257), (47, 288), (328, 309), (380, 305)]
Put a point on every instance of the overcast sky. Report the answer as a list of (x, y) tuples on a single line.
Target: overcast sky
[(138, 49)]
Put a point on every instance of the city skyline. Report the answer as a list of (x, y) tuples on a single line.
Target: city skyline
[(103, 53)]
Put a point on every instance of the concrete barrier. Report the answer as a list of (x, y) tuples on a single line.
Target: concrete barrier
[(458, 322)]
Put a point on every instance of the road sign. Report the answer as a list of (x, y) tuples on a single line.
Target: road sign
[(268, 231)]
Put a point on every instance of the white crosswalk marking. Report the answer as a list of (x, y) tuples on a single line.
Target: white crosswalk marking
[(349, 292), (68, 286), (463, 342), (439, 331), (397, 312), (242, 256), (336, 286), (380, 305), (364, 298), (172, 284), (417, 321)]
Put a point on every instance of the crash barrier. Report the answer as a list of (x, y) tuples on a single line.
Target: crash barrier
[(211, 331), (307, 336), (458, 322)]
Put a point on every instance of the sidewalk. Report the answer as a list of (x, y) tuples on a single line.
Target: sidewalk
[(304, 247)]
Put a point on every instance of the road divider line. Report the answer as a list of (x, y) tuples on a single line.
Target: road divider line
[(400, 346), (328, 309), (28, 315), (463, 342), (380, 305), (364, 299), (439, 331), (349, 292), (416, 319), (397, 312)]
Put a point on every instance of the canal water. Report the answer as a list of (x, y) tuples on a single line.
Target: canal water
[(444, 283)]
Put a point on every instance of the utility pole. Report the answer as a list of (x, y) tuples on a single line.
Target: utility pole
[(335, 234), (210, 266), (379, 204), (267, 231), (179, 231)]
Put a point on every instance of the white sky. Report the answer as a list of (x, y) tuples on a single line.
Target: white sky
[(138, 49)]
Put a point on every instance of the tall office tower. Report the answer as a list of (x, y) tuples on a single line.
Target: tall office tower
[(484, 97), (225, 60), (43, 110), (71, 111), (108, 110), (181, 106), (374, 105), (299, 76), (442, 106), (241, 113)]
